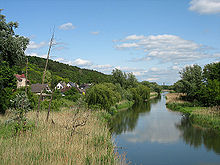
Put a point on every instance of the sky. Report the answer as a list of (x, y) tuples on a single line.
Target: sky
[(153, 39)]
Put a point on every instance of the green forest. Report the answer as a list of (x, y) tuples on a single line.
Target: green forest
[(62, 72)]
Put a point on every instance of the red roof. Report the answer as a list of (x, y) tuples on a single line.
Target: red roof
[(19, 76)]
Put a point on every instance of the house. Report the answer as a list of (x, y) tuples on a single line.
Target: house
[(71, 84), (85, 86), (36, 88), (21, 80), (60, 85), (65, 89), (82, 88)]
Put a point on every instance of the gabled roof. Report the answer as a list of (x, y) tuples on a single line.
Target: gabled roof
[(19, 77), (36, 88), (65, 89), (62, 83), (72, 84)]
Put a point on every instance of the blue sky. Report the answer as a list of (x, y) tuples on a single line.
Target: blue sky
[(154, 39)]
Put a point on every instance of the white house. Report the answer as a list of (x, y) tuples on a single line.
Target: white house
[(21, 80), (60, 85), (71, 84)]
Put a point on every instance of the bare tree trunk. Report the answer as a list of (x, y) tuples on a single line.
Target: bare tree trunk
[(26, 77), (48, 112), (43, 78)]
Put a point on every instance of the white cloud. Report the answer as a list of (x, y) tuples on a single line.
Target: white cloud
[(154, 69), (67, 26), (107, 68), (157, 131), (205, 6), (175, 67), (33, 45), (37, 55), (95, 33), (103, 66), (127, 45), (59, 59), (134, 37), (139, 73), (81, 62), (168, 48), (152, 79)]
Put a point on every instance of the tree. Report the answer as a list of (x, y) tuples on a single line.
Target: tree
[(210, 93), (153, 86), (72, 94), (211, 72), (102, 95), (12, 46), (178, 86), (119, 77), (140, 93), (131, 80), (7, 85), (191, 79), (210, 90)]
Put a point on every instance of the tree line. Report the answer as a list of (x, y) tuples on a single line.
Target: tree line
[(201, 86)]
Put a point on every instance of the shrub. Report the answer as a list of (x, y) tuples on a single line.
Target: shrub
[(102, 95), (140, 93), (72, 94)]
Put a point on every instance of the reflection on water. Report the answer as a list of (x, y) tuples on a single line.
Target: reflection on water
[(150, 133), (196, 137), (127, 120)]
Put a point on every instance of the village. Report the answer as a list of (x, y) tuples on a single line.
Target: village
[(61, 86)]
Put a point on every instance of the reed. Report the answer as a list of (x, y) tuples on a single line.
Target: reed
[(203, 117), (52, 143)]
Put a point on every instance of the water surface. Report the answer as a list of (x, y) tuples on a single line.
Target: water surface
[(151, 134)]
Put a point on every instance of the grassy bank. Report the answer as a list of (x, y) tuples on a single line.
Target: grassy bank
[(60, 141), (153, 95), (204, 117), (122, 105), (125, 104)]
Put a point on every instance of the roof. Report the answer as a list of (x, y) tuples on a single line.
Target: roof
[(72, 84), (80, 90), (36, 88), (19, 76), (63, 84), (65, 89), (85, 86)]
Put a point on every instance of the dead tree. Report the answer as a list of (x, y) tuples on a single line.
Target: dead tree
[(48, 112), (44, 74), (76, 123), (26, 77)]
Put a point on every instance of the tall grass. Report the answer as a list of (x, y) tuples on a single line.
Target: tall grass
[(52, 143), (204, 117), (207, 118)]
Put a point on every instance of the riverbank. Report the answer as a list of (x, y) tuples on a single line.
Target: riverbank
[(69, 138), (204, 117), (123, 105), (153, 95)]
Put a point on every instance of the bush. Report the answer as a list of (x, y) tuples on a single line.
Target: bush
[(102, 95), (56, 104), (140, 93), (72, 94), (20, 106), (7, 85)]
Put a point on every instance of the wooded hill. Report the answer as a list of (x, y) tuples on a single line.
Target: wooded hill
[(62, 72)]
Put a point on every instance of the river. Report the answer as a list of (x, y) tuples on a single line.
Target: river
[(150, 134)]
